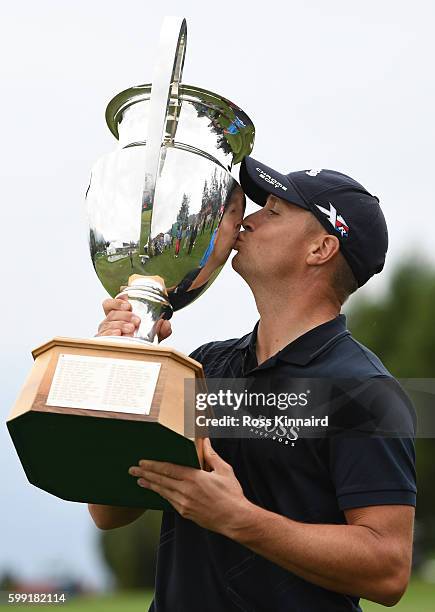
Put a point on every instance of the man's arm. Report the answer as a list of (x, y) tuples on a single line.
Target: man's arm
[(369, 557), (111, 517)]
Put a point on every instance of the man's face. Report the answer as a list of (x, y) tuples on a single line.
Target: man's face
[(232, 218), (274, 242)]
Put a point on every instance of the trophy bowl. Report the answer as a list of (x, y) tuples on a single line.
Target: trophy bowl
[(181, 225)]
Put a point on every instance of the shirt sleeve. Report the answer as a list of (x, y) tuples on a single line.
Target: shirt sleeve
[(373, 471), (377, 467), (198, 353)]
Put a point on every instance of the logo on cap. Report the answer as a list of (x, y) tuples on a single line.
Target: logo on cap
[(337, 221), (270, 179), (313, 172)]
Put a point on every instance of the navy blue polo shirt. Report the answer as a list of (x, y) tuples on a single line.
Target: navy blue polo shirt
[(312, 480)]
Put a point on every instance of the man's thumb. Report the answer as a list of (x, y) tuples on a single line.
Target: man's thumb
[(211, 456)]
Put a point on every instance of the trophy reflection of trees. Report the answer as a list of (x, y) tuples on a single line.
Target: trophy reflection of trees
[(183, 213), (211, 206), (218, 123), (182, 223), (97, 244)]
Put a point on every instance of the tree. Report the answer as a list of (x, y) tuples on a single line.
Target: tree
[(96, 243), (205, 196), (400, 329), (130, 552), (183, 213)]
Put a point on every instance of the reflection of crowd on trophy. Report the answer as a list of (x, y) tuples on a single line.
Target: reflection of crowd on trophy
[(223, 236), (217, 125), (158, 244), (194, 247), (111, 250), (183, 234)]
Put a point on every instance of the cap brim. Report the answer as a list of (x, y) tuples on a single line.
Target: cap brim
[(259, 181)]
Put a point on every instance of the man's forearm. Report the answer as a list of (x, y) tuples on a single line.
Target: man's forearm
[(111, 517), (350, 559)]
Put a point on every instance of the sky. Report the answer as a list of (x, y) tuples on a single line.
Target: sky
[(342, 85)]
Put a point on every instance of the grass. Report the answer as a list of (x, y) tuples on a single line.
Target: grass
[(420, 597), (166, 265), (136, 601)]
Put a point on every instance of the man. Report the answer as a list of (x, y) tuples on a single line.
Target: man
[(277, 524)]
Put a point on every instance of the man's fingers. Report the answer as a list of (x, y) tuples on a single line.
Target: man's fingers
[(110, 332), (171, 470), (120, 320), (120, 315), (214, 460), (173, 497), (107, 328), (122, 296), (163, 329), (171, 484), (119, 303)]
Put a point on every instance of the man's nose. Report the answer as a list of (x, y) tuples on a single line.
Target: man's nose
[(248, 223)]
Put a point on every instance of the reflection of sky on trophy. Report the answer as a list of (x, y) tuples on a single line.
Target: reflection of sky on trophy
[(183, 173), (133, 127), (114, 199), (115, 195), (196, 131)]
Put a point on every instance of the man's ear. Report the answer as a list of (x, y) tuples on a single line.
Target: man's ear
[(322, 250)]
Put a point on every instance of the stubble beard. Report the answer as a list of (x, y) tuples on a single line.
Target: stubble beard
[(243, 271)]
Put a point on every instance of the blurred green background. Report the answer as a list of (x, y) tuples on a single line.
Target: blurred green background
[(399, 327)]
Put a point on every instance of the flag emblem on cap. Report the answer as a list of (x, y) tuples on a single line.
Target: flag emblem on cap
[(337, 221)]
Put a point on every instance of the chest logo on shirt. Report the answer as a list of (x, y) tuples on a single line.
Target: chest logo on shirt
[(276, 431)]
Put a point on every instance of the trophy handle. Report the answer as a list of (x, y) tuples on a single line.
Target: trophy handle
[(149, 301), (162, 124)]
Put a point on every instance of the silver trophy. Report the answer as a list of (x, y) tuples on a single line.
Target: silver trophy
[(164, 213), (163, 207)]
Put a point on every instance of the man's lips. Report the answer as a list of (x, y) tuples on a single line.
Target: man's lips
[(239, 242)]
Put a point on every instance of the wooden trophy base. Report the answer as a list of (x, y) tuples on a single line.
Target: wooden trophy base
[(82, 454)]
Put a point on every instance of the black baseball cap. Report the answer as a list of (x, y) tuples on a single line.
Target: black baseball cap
[(343, 206)]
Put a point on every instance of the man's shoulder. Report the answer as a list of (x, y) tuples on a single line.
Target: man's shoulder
[(215, 348), (221, 358), (352, 364), (349, 357)]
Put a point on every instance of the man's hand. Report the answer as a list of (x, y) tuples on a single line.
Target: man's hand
[(209, 498), (120, 321)]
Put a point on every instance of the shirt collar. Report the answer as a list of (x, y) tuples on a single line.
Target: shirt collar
[(248, 340), (308, 346)]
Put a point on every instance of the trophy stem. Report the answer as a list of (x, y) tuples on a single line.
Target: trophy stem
[(149, 301)]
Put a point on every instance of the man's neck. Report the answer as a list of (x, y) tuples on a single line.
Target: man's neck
[(282, 321)]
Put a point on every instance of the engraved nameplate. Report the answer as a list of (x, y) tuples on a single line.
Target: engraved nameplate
[(101, 383)]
